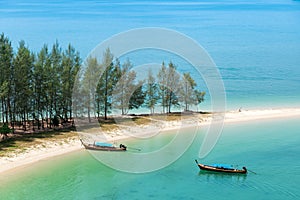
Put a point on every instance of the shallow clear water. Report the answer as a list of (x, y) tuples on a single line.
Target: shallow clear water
[(269, 148)]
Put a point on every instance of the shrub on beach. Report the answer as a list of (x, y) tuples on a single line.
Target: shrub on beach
[(4, 130)]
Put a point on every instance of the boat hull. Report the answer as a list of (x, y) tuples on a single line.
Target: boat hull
[(223, 170), (102, 148)]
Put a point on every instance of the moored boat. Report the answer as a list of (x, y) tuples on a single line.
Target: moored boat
[(100, 146), (221, 168)]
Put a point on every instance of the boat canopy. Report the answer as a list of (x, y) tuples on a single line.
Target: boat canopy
[(223, 166), (103, 144)]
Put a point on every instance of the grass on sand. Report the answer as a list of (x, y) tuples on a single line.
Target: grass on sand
[(21, 142)]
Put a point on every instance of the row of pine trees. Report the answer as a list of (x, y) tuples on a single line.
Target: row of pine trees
[(36, 88), (108, 85), (52, 86)]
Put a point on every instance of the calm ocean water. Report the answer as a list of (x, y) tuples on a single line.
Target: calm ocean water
[(268, 148), (256, 47)]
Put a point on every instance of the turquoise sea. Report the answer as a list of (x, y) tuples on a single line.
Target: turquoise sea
[(270, 149), (255, 44), (256, 47)]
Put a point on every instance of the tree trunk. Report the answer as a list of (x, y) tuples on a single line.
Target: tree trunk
[(170, 101), (6, 111), (105, 98), (89, 115), (2, 105), (24, 121)]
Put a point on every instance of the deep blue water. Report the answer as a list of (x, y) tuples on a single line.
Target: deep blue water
[(255, 45)]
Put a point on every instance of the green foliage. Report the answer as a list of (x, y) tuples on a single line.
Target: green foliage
[(55, 121), (40, 82), (106, 83), (89, 86), (70, 67), (137, 98), (173, 87), (192, 96), (22, 79), (6, 67), (151, 93), (162, 81), (199, 96), (174, 90), (125, 88), (35, 88), (5, 129)]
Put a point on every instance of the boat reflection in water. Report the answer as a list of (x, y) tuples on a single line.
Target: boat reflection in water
[(213, 176)]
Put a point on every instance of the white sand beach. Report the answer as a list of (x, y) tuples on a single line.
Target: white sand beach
[(38, 153), (42, 152)]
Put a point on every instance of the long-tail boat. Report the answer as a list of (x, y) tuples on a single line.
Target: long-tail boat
[(221, 168), (100, 146)]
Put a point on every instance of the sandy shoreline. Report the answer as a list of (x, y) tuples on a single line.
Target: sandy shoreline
[(38, 153), (73, 144)]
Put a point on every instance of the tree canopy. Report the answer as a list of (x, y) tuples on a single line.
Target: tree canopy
[(37, 90)]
